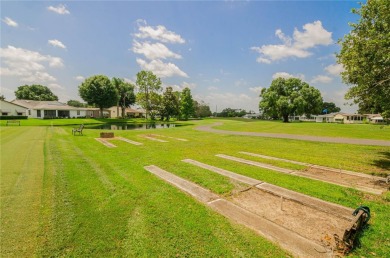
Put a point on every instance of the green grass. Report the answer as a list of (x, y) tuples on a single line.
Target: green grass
[(363, 131), (97, 201)]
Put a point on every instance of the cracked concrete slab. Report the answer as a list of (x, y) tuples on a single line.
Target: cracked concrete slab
[(323, 178), (128, 141), (286, 238)]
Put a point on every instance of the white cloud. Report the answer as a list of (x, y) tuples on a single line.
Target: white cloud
[(182, 86), (27, 65), (160, 68), (56, 43), (159, 33), (153, 50), (322, 79), (335, 69), (55, 86), (38, 77), (10, 22), (80, 78), (256, 89), (212, 88), (60, 9), (313, 34), (287, 75), (129, 81)]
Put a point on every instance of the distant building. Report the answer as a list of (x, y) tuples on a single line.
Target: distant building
[(350, 118)]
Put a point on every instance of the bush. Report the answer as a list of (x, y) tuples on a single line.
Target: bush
[(13, 117)]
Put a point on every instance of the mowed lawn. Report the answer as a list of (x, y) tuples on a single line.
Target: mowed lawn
[(362, 131), (64, 195)]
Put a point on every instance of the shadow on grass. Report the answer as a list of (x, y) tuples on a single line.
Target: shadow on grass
[(383, 162)]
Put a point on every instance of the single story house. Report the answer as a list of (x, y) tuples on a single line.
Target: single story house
[(349, 118), (12, 109), (54, 109), (130, 112)]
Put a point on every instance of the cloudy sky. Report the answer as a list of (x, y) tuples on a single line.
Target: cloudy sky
[(224, 51)]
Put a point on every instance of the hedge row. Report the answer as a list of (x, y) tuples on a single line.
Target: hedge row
[(13, 117)]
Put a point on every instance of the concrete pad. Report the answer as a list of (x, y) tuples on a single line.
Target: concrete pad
[(315, 166), (274, 158), (178, 139), (128, 141), (328, 207), (196, 191), (154, 139), (257, 164), (240, 178), (105, 142), (287, 239)]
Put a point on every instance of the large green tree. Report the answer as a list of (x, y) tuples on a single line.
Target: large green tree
[(99, 91), (170, 105), (330, 107), (186, 104), (126, 96), (366, 59), (149, 87), (202, 109), (35, 92), (76, 103), (286, 97)]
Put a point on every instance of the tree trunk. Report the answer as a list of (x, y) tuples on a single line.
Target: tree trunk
[(123, 112), (101, 113), (285, 118)]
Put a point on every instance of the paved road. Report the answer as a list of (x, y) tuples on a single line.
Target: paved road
[(208, 128)]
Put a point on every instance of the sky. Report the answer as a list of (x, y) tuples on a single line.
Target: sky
[(224, 51)]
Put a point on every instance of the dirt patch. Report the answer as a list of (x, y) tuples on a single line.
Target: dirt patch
[(305, 221), (345, 179)]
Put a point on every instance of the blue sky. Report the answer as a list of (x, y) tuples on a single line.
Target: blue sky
[(225, 51)]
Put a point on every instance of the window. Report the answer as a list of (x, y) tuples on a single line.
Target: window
[(78, 112), (29, 112), (50, 113), (19, 114), (4, 113), (38, 113)]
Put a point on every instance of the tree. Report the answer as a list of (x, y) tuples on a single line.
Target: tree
[(366, 60), (149, 86), (98, 90), (287, 97), (202, 109), (35, 92), (2, 97), (186, 104), (330, 107), (126, 96), (76, 103), (169, 104)]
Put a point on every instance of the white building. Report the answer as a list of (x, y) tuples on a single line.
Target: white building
[(54, 109), (11, 109)]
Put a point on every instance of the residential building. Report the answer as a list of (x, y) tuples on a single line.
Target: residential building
[(12, 109)]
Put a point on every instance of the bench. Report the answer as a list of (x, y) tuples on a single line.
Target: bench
[(78, 130), (13, 122)]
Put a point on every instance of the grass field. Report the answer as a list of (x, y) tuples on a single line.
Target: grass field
[(64, 195), (364, 131)]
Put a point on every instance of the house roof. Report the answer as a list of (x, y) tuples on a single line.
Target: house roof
[(47, 105), (19, 106)]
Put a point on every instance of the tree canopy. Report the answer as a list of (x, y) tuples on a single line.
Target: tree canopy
[(76, 103), (330, 107), (202, 109), (149, 87), (287, 97), (186, 104), (35, 92), (98, 90), (366, 59), (126, 96), (170, 105)]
